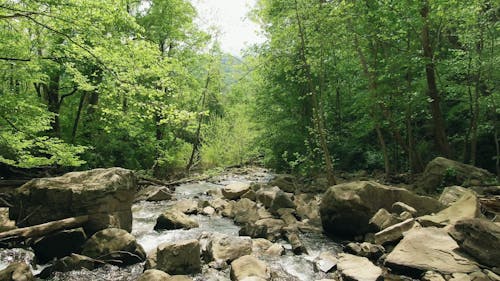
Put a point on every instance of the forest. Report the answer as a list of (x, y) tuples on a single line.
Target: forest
[(337, 86)]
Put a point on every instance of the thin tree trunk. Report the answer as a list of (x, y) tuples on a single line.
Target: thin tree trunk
[(440, 136), (318, 116), (197, 140), (78, 115)]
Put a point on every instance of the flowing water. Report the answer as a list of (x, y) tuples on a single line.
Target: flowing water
[(288, 267)]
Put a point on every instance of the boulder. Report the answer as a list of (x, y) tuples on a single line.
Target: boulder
[(227, 248), (347, 208), (180, 257), (298, 247), (428, 249), (247, 211), (219, 204), (274, 198), (365, 249), (70, 263), (395, 232), (5, 223), (260, 245), (234, 191), (432, 276), (208, 211), (445, 172), (275, 250), (284, 182), (59, 244), (383, 219), (106, 195), (186, 206), (480, 239), (249, 266), (358, 268), (307, 208), (18, 271), (467, 207), (154, 193), (173, 219), (266, 195), (114, 245), (400, 207), (326, 262), (452, 194), (180, 278), (250, 195), (154, 275), (273, 227)]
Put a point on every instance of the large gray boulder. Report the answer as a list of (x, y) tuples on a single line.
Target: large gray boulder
[(346, 209), (180, 257), (249, 267), (173, 219), (234, 191), (114, 245), (480, 239), (428, 249), (285, 182), (358, 268), (445, 172), (227, 248), (106, 195)]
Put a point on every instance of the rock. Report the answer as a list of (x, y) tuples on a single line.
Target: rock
[(228, 248), (180, 278), (478, 276), (480, 239), (400, 207), (154, 193), (218, 204), (70, 263), (18, 271), (383, 219), (347, 208), (467, 207), (274, 198), (298, 247), (358, 268), (275, 250), (284, 182), (326, 262), (452, 194), (208, 211), (180, 257), (5, 223), (59, 244), (186, 206), (151, 260), (106, 195), (432, 276), (307, 207), (173, 219), (405, 216), (273, 227), (288, 218), (442, 171), (260, 245), (428, 249), (460, 277), (395, 232), (247, 211), (234, 191), (365, 249), (116, 245), (249, 266), (154, 275), (250, 195)]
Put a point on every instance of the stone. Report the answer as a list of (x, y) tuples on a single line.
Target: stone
[(358, 268), (347, 208), (441, 171), (154, 193), (275, 250), (70, 263), (59, 244), (452, 194), (114, 245), (428, 249), (260, 245), (298, 247), (399, 207), (383, 219), (273, 227), (5, 223), (234, 191), (247, 211), (326, 262), (219, 204), (460, 277), (249, 266), (284, 182), (186, 206), (395, 232), (432, 276), (208, 211), (250, 195), (173, 219), (179, 278), (154, 275), (365, 249), (180, 257), (307, 208), (480, 239), (106, 195), (467, 207), (281, 200), (405, 216), (227, 248), (17, 271), (266, 195)]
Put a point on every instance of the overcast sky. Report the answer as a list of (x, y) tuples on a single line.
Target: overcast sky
[(230, 16)]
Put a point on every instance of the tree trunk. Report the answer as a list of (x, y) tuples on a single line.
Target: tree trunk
[(53, 102), (78, 115), (197, 140), (441, 139)]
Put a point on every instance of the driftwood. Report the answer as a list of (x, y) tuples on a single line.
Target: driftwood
[(42, 229)]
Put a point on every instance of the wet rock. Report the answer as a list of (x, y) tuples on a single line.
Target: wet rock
[(307, 208), (114, 245), (478, 276), (59, 244), (452, 194), (428, 249), (480, 239), (275, 250), (432, 276), (365, 249), (228, 248), (284, 182), (326, 262), (208, 211), (266, 195), (70, 263), (154, 275), (249, 267), (106, 195), (460, 277), (273, 227), (246, 211), (394, 232), (358, 268), (18, 271), (448, 172), (186, 206), (219, 204), (5, 223), (234, 191), (466, 207), (180, 257), (260, 245), (154, 193), (298, 247), (180, 278), (383, 219), (347, 208), (250, 195), (173, 219), (400, 207), (405, 216)]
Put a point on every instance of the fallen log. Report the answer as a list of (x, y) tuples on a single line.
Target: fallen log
[(42, 229)]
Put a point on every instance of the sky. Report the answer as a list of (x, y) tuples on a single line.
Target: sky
[(230, 16)]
